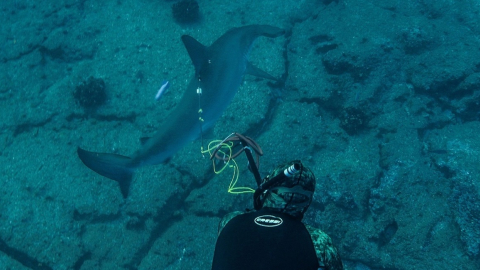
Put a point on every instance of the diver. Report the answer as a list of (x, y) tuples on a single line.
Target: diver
[(273, 235)]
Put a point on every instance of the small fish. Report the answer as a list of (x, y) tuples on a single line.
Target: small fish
[(162, 90)]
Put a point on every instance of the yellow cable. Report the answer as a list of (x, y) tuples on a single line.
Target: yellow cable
[(236, 171)]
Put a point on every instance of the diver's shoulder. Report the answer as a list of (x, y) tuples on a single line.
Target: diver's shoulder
[(326, 251), (227, 219), (318, 236), (231, 215)]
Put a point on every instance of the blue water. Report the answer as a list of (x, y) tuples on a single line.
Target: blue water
[(380, 99)]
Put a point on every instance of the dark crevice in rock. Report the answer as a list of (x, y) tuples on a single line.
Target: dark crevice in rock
[(384, 131), (288, 36), (102, 117), (20, 55), (424, 132), (22, 257), (53, 53), (129, 118), (93, 218), (464, 204), (353, 120), (445, 170), (256, 130), (328, 104), (166, 217), (64, 53), (387, 234), (324, 43), (441, 87), (210, 214), (85, 257), (381, 163), (26, 127), (137, 222)]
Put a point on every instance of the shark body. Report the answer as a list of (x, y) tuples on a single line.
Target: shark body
[(219, 71)]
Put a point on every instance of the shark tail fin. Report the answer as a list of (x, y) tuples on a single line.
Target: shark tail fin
[(115, 167)]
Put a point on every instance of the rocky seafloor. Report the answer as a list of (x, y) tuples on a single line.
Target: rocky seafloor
[(380, 99)]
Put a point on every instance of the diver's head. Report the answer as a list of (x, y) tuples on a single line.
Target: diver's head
[(292, 195)]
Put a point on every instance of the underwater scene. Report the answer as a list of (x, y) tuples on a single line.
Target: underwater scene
[(110, 111)]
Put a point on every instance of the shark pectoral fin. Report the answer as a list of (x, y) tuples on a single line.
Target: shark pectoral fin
[(270, 31), (115, 167), (144, 140), (196, 51), (255, 71)]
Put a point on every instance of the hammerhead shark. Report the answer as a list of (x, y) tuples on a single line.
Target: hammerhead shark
[(219, 71)]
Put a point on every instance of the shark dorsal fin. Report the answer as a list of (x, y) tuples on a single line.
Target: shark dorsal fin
[(197, 52)]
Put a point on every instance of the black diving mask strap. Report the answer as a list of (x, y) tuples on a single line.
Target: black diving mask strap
[(257, 200), (251, 163)]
